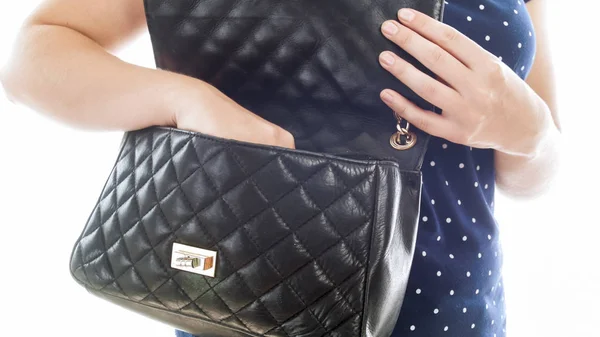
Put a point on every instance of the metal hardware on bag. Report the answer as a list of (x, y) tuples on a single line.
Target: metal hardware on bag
[(397, 141), (194, 260)]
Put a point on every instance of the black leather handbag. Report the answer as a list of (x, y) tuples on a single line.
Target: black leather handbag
[(225, 238)]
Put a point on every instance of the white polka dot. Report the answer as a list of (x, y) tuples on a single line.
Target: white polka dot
[(459, 202), (432, 163), (451, 292), (522, 68), (464, 238), (482, 7), (469, 18), (477, 292), (436, 311), (489, 237), (486, 306), (474, 220), (487, 38), (530, 34), (499, 58), (412, 328), (439, 238), (479, 256), (496, 254), (516, 11), (490, 273), (424, 253), (418, 291), (439, 273), (425, 219), (505, 23), (468, 274), (433, 201), (477, 168), (444, 146), (520, 45), (464, 310), (446, 182), (461, 165), (473, 326), (448, 220), (451, 256), (486, 186), (492, 322), (476, 184), (446, 328)]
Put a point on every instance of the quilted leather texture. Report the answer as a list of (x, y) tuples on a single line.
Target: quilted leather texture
[(295, 258), (310, 243), (310, 66)]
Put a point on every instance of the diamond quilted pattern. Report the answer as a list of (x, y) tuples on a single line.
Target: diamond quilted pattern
[(309, 66), (125, 249), (307, 244)]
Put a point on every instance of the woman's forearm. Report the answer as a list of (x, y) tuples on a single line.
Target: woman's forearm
[(64, 74), (530, 176)]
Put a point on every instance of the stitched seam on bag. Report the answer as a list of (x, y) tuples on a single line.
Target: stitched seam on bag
[(215, 242), (153, 247), (368, 280), (282, 150), (200, 227), (268, 248), (283, 280), (304, 246), (351, 193), (123, 157), (250, 33), (77, 249), (344, 321), (128, 256)]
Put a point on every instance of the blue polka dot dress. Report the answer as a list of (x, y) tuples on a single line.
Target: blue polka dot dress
[(455, 288)]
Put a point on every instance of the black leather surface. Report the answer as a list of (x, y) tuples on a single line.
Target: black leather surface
[(310, 243), (320, 246), (310, 66)]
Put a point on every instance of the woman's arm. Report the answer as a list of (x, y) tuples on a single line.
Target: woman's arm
[(531, 175), (485, 103), (62, 66)]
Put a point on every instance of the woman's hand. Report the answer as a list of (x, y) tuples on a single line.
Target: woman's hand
[(484, 103), (205, 109)]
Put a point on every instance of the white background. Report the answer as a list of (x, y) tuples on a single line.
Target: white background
[(51, 175)]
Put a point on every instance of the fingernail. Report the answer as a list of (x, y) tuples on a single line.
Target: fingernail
[(387, 97), (387, 59), (406, 14), (390, 28)]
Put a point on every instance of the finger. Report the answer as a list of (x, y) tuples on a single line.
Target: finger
[(457, 44), (425, 120), (423, 85), (430, 55)]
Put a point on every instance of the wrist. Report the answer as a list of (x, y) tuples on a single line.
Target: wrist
[(181, 93), (534, 136)]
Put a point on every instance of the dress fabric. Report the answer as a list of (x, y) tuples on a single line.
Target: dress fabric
[(455, 287)]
